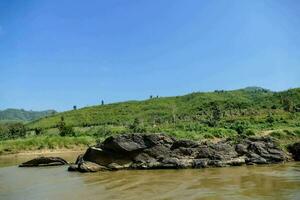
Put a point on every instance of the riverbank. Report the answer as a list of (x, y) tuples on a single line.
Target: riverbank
[(45, 144), (54, 143)]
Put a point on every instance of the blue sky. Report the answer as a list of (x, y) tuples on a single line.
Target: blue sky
[(56, 54)]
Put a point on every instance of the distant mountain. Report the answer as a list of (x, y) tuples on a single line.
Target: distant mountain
[(256, 89), (11, 114)]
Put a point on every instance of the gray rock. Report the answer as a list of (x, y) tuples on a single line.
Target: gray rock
[(87, 166), (200, 163), (44, 161), (159, 151), (73, 168), (127, 143)]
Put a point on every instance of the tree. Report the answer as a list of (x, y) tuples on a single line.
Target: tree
[(240, 127), (75, 107), (102, 102), (65, 130), (38, 131), (16, 130), (287, 105), (137, 127), (216, 115)]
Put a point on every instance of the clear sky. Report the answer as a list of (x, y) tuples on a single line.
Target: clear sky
[(56, 53)]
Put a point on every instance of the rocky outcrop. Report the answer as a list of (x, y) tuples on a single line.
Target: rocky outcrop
[(294, 149), (44, 161), (159, 151)]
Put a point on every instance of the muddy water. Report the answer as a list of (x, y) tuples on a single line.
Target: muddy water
[(248, 182)]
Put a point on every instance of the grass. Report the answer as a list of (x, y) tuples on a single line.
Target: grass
[(44, 142)]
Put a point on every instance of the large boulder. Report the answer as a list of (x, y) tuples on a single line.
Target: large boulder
[(260, 150), (44, 161), (159, 151), (294, 149)]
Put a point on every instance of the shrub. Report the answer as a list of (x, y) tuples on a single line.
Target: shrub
[(137, 127), (12, 131), (4, 132), (65, 130), (270, 119), (297, 132), (39, 131), (249, 132), (274, 107), (216, 115), (16, 130), (277, 134), (240, 126)]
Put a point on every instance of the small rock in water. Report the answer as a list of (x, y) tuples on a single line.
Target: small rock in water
[(44, 161)]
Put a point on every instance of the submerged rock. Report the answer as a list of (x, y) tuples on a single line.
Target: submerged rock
[(44, 161), (159, 151)]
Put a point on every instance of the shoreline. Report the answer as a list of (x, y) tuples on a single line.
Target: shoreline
[(43, 151)]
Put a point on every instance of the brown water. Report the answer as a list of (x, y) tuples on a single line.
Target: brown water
[(248, 182)]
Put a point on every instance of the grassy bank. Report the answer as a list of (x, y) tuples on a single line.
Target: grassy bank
[(88, 136), (44, 143)]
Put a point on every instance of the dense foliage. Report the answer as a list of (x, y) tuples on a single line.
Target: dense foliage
[(12, 131), (238, 110)]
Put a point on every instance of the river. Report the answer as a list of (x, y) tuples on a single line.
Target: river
[(280, 181)]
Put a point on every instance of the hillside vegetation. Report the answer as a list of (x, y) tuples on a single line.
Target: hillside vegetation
[(201, 115), (254, 108)]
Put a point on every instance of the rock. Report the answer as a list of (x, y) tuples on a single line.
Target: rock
[(241, 149), (73, 168), (159, 151), (200, 163), (254, 158), (79, 159), (127, 143), (97, 155), (115, 166), (294, 149), (184, 143), (44, 161), (236, 161), (87, 166)]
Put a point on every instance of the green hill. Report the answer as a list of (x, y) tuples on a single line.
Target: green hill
[(196, 116), (14, 115), (220, 112)]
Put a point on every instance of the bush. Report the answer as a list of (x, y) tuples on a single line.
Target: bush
[(39, 131), (270, 119), (65, 130), (240, 126), (249, 132), (136, 126), (12, 131), (4, 132)]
